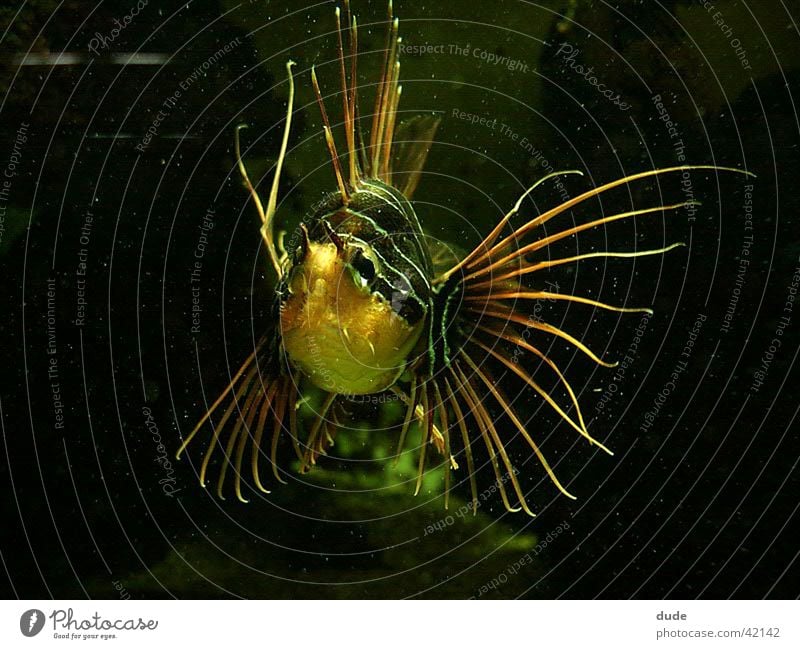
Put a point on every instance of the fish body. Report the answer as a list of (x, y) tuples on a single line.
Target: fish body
[(366, 303)]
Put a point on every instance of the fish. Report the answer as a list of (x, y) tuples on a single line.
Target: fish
[(366, 304)]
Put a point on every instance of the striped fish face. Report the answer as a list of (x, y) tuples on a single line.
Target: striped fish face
[(358, 293), (396, 261)]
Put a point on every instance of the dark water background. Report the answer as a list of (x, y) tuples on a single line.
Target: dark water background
[(699, 503)]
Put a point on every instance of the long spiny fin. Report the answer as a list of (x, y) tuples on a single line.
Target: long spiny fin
[(520, 427), (542, 393), (347, 112), (219, 400), (558, 236), (510, 469), (278, 414), (411, 405), (544, 265), (234, 436), (326, 128), (545, 295), (262, 418), (518, 340), (508, 315), (311, 452), (393, 100), (491, 440), (374, 133), (267, 401), (449, 460), (427, 430), (245, 435), (355, 169), (546, 216), (467, 446), (268, 215), (492, 236), (379, 117), (221, 425)]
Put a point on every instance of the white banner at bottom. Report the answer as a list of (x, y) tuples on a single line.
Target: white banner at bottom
[(394, 624)]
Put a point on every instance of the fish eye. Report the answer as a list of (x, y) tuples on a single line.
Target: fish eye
[(363, 266)]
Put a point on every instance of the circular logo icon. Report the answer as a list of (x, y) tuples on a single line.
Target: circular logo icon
[(31, 622)]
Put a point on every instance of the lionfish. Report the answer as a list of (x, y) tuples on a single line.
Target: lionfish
[(360, 306)]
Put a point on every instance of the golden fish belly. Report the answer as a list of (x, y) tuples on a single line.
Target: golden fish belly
[(344, 338)]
